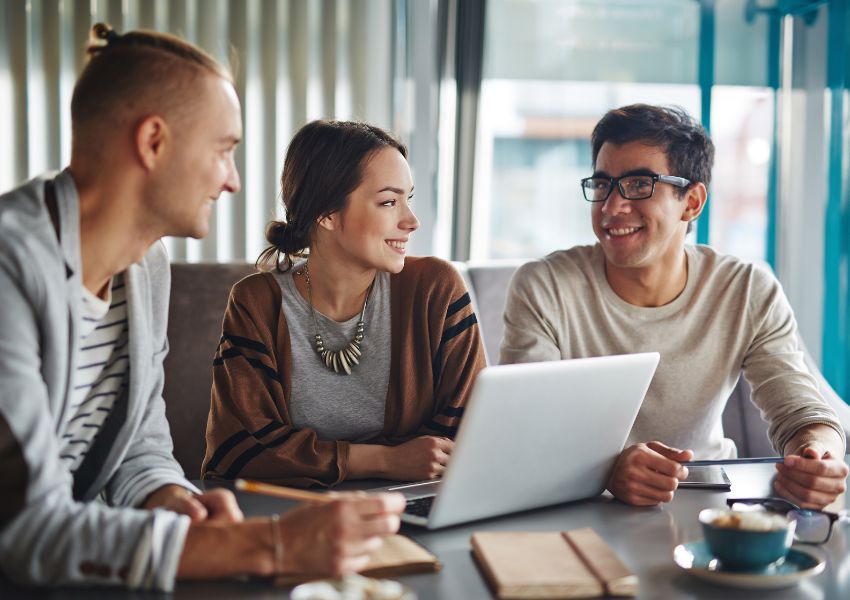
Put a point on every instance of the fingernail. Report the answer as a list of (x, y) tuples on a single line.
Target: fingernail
[(790, 461)]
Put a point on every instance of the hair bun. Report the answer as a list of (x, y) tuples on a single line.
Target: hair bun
[(101, 31), (276, 233), (286, 237), (101, 35)]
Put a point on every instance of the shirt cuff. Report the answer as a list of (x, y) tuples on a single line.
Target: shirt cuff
[(783, 441), (143, 486), (157, 556)]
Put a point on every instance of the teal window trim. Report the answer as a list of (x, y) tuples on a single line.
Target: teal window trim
[(807, 9), (774, 50), (706, 83), (836, 308)]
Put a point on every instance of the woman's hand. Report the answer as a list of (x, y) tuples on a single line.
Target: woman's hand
[(424, 457)]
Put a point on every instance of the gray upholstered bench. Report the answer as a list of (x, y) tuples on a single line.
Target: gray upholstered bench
[(199, 295)]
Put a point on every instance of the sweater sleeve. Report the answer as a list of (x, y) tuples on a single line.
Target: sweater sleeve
[(46, 536), (249, 431), (459, 356), (782, 387), (529, 334)]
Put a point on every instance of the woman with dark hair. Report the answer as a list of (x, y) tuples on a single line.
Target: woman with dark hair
[(342, 360)]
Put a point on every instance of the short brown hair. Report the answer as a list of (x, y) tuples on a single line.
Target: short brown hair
[(139, 72), (323, 165)]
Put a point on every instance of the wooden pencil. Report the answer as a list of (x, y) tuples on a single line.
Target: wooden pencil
[(279, 491)]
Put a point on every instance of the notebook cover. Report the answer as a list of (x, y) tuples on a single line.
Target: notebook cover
[(533, 565), (519, 565), (399, 555), (615, 577)]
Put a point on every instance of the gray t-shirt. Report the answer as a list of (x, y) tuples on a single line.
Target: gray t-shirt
[(338, 407)]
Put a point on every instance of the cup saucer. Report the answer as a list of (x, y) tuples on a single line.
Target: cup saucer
[(695, 558)]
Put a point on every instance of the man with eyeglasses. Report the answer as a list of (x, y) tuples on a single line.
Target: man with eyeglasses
[(711, 316)]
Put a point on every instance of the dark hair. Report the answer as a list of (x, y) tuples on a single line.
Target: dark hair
[(135, 73), (324, 164), (689, 150)]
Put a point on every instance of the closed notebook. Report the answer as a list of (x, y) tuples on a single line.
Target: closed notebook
[(399, 555), (572, 564)]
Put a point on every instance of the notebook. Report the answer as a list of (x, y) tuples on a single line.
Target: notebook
[(399, 555), (571, 564)]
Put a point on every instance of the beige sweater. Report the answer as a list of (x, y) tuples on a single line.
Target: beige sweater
[(732, 317)]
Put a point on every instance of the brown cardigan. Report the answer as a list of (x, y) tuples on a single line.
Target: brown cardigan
[(436, 352)]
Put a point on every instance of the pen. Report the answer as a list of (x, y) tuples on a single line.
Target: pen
[(734, 461), (279, 491)]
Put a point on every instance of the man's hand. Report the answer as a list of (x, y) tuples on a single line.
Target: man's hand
[(813, 474), (215, 505), (337, 538), (648, 474), (424, 457)]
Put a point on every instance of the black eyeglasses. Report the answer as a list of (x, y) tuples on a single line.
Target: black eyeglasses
[(632, 187), (813, 526)]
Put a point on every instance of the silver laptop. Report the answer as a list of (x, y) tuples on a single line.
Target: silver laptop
[(534, 435)]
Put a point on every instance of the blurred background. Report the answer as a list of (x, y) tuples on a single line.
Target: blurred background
[(497, 99)]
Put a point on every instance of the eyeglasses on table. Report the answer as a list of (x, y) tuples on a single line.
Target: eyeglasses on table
[(813, 526)]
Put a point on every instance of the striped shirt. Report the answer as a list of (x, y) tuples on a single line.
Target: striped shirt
[(102, 368)]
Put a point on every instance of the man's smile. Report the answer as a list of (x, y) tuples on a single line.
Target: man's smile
[(621, 231)]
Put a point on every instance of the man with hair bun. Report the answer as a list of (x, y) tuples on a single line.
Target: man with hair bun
[(90, 493), (712, 317)]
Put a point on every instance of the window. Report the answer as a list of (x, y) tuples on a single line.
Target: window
[(742, 130), (553, 68)]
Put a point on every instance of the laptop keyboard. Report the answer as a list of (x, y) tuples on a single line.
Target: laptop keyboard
[(419, 507)]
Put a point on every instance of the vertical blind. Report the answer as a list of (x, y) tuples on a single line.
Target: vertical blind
[(294, 61)]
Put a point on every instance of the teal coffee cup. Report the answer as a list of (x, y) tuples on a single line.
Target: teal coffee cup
[(746, 540)]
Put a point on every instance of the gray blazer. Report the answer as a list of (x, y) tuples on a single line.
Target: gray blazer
[(55, 527)]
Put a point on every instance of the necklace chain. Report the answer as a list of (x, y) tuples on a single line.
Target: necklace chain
[(344, 360)]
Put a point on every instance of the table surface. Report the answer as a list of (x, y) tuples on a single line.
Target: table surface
[(644, 539)]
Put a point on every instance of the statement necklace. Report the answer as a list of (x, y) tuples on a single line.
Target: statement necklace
[(340, 361)]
